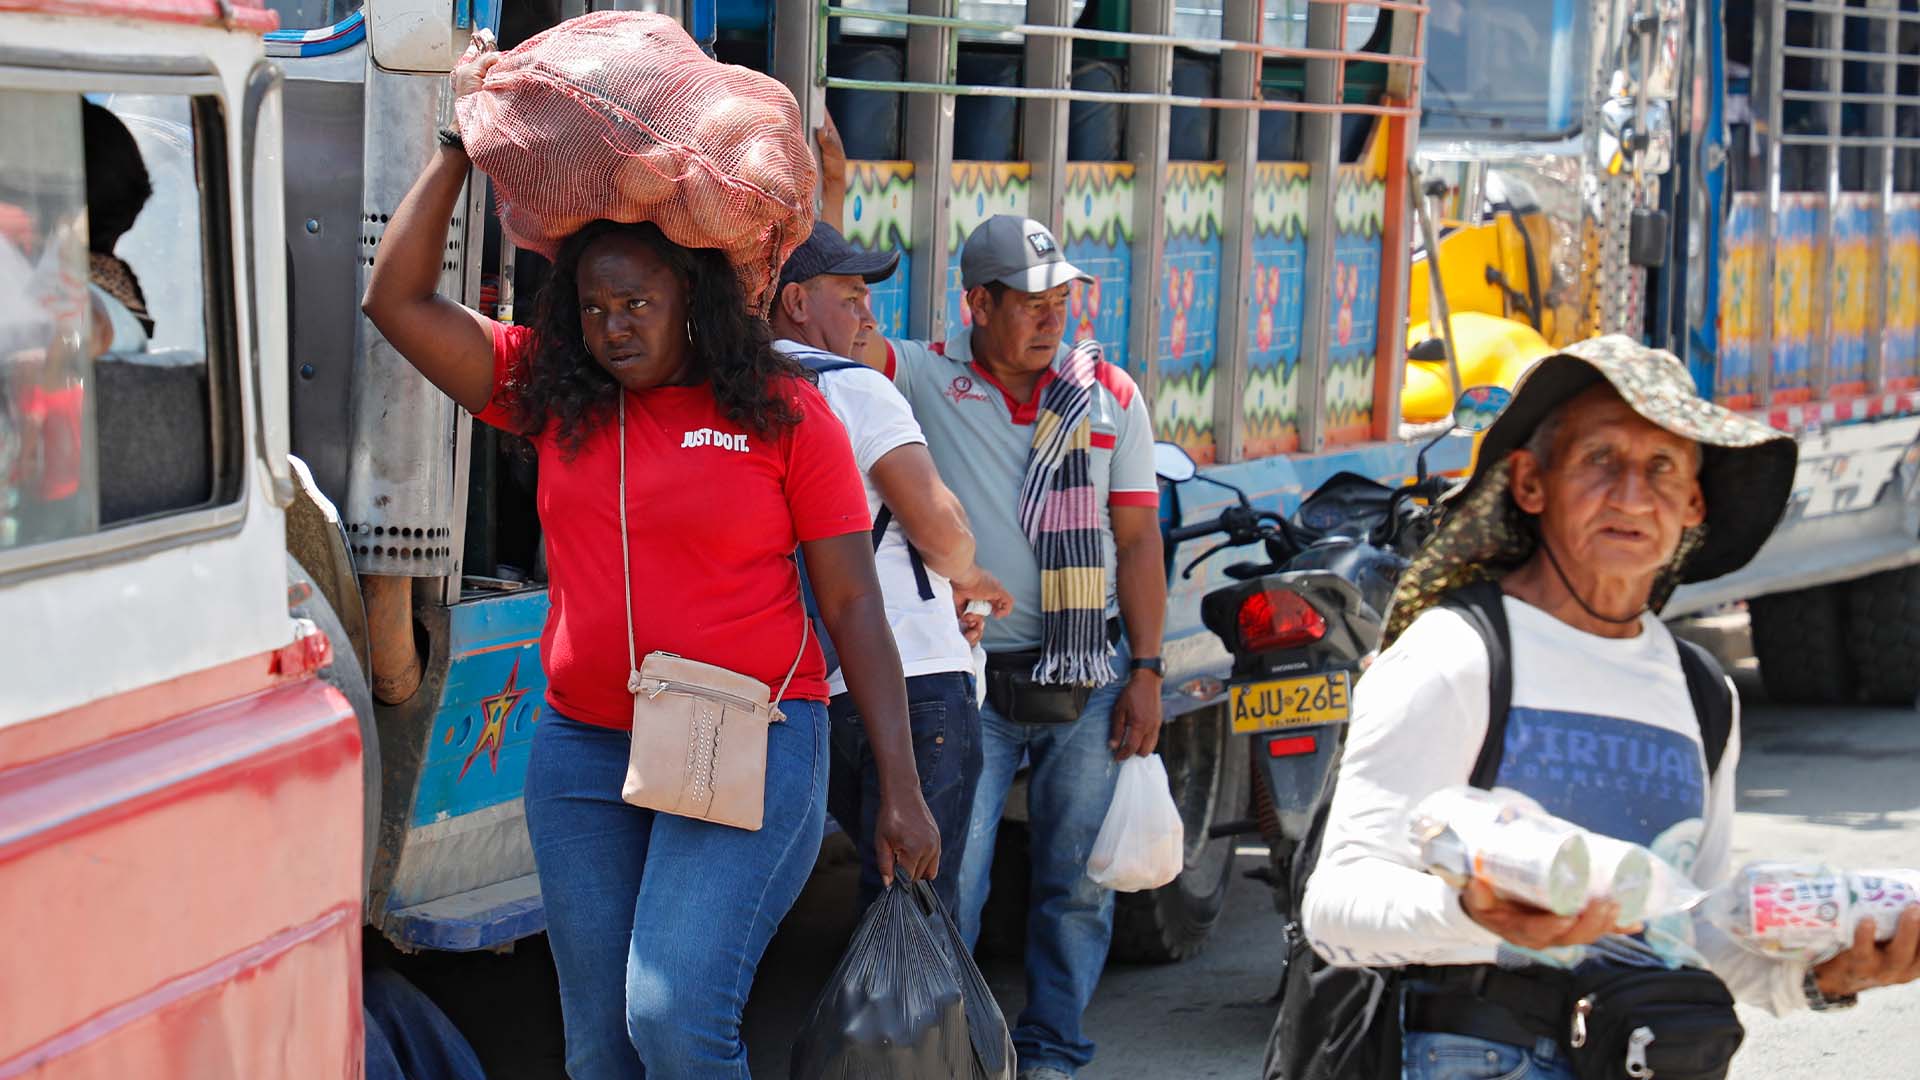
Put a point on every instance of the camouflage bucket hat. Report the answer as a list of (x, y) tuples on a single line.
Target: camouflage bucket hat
[(1746, 475)]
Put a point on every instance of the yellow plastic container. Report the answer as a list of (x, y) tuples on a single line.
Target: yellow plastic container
[(1492, 352)]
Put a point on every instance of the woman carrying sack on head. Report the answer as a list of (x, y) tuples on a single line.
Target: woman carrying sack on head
[(667, 429)]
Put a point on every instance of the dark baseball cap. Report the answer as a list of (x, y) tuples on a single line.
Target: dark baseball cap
[(1017, 252), (827, 252)]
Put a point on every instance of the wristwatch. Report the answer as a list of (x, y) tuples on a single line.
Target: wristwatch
[(1818, 1001), (1148, 663)]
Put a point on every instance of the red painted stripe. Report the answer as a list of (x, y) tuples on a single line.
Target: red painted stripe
[(224, 970), (1133, 498), (247, 14), (39, 801), (1103, 440), (122, 714)]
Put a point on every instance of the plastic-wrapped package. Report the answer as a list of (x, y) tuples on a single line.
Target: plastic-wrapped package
[(905, 1003), (618, 115), (1807, 911)]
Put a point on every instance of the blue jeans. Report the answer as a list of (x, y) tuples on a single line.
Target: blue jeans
[(1432, 1055), (408, 1037), (1069, 918), (945, 723), (657, 922)]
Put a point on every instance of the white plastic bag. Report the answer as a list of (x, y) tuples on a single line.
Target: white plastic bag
[(1142, 844)]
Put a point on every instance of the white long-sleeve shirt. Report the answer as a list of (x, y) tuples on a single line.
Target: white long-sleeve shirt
[(1601, 732)]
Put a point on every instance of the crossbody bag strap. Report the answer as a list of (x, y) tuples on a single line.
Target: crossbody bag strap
[(626, 574), (626, 562)]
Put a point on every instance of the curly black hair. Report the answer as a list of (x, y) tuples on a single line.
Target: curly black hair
[(732, 347)]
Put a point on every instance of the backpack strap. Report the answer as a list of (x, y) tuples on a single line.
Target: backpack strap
[(1712, 700), (880, 522), (1483, 605)]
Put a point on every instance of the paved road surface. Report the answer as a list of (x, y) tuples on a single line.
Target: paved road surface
[(1842, 785)]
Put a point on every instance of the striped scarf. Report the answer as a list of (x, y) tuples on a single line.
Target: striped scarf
[(1060, 513)]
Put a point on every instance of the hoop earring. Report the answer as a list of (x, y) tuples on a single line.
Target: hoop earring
[(689, 331)]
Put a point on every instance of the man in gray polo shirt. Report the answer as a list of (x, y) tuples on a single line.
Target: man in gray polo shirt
[(1050, 450)]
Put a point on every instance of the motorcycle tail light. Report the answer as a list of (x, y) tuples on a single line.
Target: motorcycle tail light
[(1272, 619), (1293, 746)]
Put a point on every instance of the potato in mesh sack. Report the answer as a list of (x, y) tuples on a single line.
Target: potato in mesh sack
[(619, 115)]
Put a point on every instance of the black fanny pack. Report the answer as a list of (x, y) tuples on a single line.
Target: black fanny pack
[(1614, 1020), (1638, 1022), (1014, 694)]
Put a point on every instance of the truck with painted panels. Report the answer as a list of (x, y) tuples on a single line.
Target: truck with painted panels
[(182, 752), (1737, 181)]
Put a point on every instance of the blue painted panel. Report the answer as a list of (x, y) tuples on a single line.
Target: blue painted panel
[(496, 688), (1099, 311)]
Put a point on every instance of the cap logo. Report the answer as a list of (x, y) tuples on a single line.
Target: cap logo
[(1042, 244)]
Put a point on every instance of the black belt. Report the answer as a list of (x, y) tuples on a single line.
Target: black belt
[(1485, 1002), (1024, 661)]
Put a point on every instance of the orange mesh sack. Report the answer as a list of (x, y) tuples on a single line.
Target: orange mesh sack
[(619, 115)]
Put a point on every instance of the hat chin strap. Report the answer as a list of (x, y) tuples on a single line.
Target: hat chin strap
[(1575, 593)]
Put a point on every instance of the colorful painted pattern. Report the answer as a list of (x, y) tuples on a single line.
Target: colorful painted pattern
[(879, 217), (1359, 215), (1740, 299), (1854, 282), (1099, 240), (477, 753), (1189, 314), (981, 189), (1271, 400), (1900, 352), (1796, 248)]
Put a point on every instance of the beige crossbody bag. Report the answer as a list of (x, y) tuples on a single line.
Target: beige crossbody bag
[(699, 731)]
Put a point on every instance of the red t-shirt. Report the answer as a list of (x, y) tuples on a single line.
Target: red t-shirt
[(713, 514)]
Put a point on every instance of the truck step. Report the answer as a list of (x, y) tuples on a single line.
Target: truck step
[(483, 918)]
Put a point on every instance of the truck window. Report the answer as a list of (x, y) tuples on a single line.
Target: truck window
[(110, 410), (312, 14), (1505, 67)]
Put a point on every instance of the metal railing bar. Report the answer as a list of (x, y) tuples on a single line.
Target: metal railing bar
[(1899, 142), (1848, 97), (1852, 12), (1113, 97), (1122, 37), (1384, 5), (1812, 52)]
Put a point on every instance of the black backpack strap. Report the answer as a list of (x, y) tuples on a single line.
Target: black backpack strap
[(1483, 605), (880, 522), (1712, 700)]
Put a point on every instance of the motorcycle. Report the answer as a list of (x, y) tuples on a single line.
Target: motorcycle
[(1301, 625)]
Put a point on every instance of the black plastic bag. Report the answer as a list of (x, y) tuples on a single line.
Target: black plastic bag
[(905, 1003)]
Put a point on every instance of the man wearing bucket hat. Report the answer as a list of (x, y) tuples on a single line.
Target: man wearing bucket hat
[(1604, 484), (1050, 449)]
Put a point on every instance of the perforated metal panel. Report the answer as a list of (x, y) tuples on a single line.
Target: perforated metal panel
[(400, 511)]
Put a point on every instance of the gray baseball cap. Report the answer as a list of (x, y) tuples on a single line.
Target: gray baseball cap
[(1019, 253)]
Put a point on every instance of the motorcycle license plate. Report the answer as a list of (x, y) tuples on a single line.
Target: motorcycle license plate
[(1279, 703)]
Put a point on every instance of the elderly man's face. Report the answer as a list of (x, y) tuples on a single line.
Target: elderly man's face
[(1616, 492)]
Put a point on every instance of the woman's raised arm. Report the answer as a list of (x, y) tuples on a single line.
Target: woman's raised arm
[(446, 341)]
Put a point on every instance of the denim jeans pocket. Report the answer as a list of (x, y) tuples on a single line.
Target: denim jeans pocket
[(1441, 1056), (927, 721)]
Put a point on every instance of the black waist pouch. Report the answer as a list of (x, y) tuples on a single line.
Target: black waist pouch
[(1651, 1022), (1014, 694)]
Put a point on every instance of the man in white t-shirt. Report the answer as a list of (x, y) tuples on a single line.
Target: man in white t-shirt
[(1604, 484), (923, 553)]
